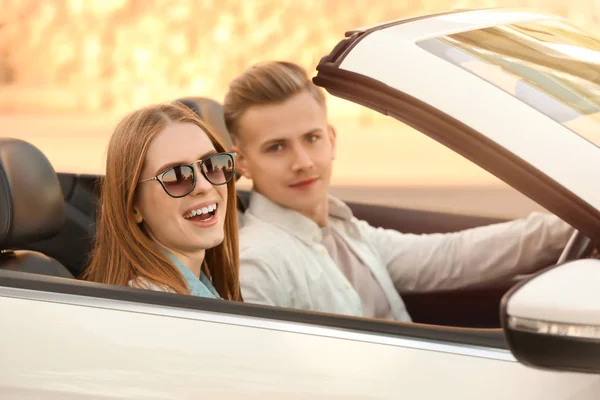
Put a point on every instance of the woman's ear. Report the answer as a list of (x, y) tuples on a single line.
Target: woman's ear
[(241, 162), (137, 215)]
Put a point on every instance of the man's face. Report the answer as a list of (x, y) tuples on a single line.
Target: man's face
[(287, 149)]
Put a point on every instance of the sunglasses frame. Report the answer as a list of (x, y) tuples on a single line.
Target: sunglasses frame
[(198, 163)]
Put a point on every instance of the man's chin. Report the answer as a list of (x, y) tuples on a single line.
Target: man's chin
[(298, 200), (307, 203)]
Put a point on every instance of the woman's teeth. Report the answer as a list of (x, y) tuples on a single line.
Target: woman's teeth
[(200, 211)]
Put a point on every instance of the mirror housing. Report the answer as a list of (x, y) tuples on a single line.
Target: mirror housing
[(552, 320)]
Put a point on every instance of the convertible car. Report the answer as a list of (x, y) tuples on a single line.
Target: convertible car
[(515, 92)]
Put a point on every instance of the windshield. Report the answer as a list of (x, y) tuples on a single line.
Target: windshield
[(550, 65)]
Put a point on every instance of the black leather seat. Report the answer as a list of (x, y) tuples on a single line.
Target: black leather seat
[(72, 245), (32, 208)]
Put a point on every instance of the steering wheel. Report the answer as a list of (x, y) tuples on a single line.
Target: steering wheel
[(578, 246)]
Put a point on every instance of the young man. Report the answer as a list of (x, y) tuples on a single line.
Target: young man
[(301, 248)]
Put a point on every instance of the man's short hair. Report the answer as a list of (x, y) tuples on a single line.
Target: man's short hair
[(265, 83)]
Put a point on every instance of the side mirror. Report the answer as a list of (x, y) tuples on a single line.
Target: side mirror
[(552, 320)]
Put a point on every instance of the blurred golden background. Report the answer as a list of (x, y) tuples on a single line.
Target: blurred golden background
[(70, 68), (113, 55)]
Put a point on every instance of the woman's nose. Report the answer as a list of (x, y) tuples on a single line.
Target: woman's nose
[(202, 184)]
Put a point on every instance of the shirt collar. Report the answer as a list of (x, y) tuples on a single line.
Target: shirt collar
[(292, 221), (198, 286)]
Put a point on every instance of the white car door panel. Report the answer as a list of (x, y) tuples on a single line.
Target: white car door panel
[(55, 350)]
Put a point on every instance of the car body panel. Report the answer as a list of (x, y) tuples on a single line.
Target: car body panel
[(116, 350)]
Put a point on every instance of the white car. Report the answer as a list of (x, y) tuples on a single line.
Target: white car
[(517, 93)]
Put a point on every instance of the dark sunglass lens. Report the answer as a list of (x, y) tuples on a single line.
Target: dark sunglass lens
[(219, 168), (179, 180)]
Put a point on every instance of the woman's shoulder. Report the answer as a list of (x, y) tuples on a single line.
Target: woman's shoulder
[(143, 283)]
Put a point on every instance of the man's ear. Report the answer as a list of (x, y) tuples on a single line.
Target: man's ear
[(332, 138), (241, 162)]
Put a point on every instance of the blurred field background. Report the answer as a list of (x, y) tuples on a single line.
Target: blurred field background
[(69, 69)]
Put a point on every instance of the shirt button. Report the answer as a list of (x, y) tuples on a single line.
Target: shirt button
[(347, 286), (324, 251)]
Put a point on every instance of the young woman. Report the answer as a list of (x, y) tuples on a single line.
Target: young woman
[(167, 218)]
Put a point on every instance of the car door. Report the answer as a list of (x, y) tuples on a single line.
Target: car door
[(64, 339)]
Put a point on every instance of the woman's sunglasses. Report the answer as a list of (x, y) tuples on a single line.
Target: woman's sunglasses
[(180, 180)]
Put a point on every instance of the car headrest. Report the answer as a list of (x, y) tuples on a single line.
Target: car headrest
[(211, 112), (32, 204)]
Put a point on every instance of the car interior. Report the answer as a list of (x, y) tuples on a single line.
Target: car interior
[(48, 226)]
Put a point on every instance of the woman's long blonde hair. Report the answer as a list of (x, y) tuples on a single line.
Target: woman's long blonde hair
[(122, 250)]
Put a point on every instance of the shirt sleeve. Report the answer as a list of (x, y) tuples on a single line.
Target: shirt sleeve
[(428, 262), (259, 282), (141, 283)]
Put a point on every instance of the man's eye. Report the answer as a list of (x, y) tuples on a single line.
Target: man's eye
[(312, 138), (274, 148)]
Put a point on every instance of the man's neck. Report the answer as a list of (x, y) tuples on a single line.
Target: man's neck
[(319, 215)]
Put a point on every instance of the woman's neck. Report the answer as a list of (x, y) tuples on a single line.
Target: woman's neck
[(192, 261)]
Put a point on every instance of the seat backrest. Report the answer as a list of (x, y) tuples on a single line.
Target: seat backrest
[(73, 244), (211, 112), (32, 207)]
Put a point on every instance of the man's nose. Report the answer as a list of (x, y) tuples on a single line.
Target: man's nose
[(302, 159)]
